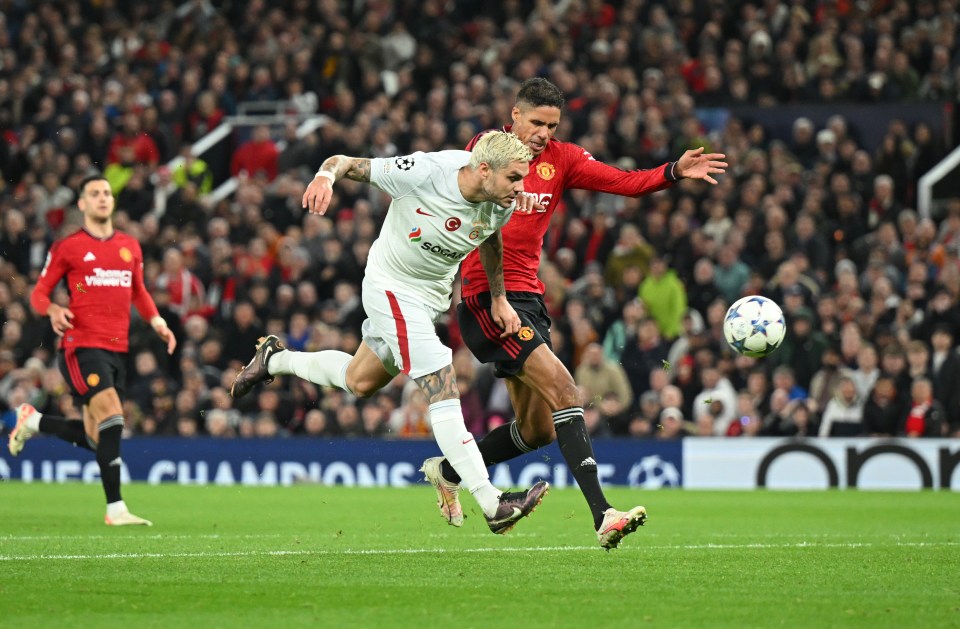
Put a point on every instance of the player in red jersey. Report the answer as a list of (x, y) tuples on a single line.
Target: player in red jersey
[(103, 269), (545, 397)]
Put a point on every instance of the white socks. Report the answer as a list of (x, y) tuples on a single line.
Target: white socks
[(116, 508), (33, 421), (327, 368), (461, 450)]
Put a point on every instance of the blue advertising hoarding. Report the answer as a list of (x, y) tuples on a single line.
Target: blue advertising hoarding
[(349, 462)]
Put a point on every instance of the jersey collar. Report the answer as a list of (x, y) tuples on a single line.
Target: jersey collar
[(84, 230)]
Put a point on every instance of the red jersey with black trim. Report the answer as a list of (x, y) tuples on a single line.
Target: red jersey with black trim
[(104, 277), (561, 165)]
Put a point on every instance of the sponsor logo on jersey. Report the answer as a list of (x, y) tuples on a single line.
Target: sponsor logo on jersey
[(125, 254), (442, 251), (543, 198), (525, 333), (89, 257), (110, 277), (404, 163), (546, 170), (93, 379), (452, 224), (415, 234)]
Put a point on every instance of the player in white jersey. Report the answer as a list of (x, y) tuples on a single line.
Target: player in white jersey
[(445, 205)]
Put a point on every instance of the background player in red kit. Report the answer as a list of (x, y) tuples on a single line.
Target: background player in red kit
[(545, 397), (104, 273)]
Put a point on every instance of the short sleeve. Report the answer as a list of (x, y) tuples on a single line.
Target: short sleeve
[(398, 176)]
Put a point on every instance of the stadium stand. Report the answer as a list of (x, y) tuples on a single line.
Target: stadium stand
[(209, 118)]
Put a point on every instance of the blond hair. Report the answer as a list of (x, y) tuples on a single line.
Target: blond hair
[(498, 149)]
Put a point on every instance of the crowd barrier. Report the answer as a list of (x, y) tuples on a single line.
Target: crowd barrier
[(696, 463)]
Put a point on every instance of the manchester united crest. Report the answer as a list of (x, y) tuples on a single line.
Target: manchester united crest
[(125, 254), (546, 170), (525, 333), (93, 379)]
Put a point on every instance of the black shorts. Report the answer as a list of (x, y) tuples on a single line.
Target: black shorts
[(482, 335), (90, 370)]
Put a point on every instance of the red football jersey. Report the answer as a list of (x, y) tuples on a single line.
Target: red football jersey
[(104, 277), (560, 166)]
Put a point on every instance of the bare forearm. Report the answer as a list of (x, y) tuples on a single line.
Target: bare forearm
[(340, 166), (491, 257)]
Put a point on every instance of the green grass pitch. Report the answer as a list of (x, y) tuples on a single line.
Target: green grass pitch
[(333, 556)]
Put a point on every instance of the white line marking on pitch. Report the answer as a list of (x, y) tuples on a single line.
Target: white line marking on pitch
[(422, 551), (159, 536)]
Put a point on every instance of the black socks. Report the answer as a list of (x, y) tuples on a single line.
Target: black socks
[(70, 430), (577, 450), (108, 456)]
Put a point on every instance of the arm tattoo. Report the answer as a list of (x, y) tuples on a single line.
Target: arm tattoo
[(440, 385), (356, 168), (491, 257)]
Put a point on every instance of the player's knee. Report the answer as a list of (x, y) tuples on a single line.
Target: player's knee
[(360, 387), (565, 394)]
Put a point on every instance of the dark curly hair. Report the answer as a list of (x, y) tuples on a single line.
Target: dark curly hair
[(538, 92)]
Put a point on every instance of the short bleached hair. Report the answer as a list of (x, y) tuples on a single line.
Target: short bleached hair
[(498, 149)]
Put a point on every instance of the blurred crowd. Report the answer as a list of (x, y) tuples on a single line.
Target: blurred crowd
[(637, 288)]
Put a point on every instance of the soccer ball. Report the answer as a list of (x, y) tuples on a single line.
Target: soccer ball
[(754, 326)]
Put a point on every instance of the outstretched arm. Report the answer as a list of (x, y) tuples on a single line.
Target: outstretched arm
[(697, 165), (491, 256), (318, 194)]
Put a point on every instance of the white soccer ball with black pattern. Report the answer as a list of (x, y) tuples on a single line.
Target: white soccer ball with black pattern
[(754, 326)]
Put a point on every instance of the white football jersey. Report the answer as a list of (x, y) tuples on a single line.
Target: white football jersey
[(430, 228)]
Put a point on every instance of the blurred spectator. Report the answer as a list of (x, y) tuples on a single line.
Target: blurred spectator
[(718, 399), (945, 371), (646, 353), (143, 150), (665, 297), (800, 419), (671, 424), (193, 169), (824, 381), (843, 415), (185, 289), (604, 383), (926, 416), (623, 331), (882, 413), (802, 347), (258, 156)]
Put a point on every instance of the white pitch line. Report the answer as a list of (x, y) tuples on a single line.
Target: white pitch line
[(161, 536), (424, 551)]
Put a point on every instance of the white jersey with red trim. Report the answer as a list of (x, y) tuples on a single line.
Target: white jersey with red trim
[(429, 228)]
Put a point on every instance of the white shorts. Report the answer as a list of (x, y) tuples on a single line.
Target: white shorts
[(400, 330)]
